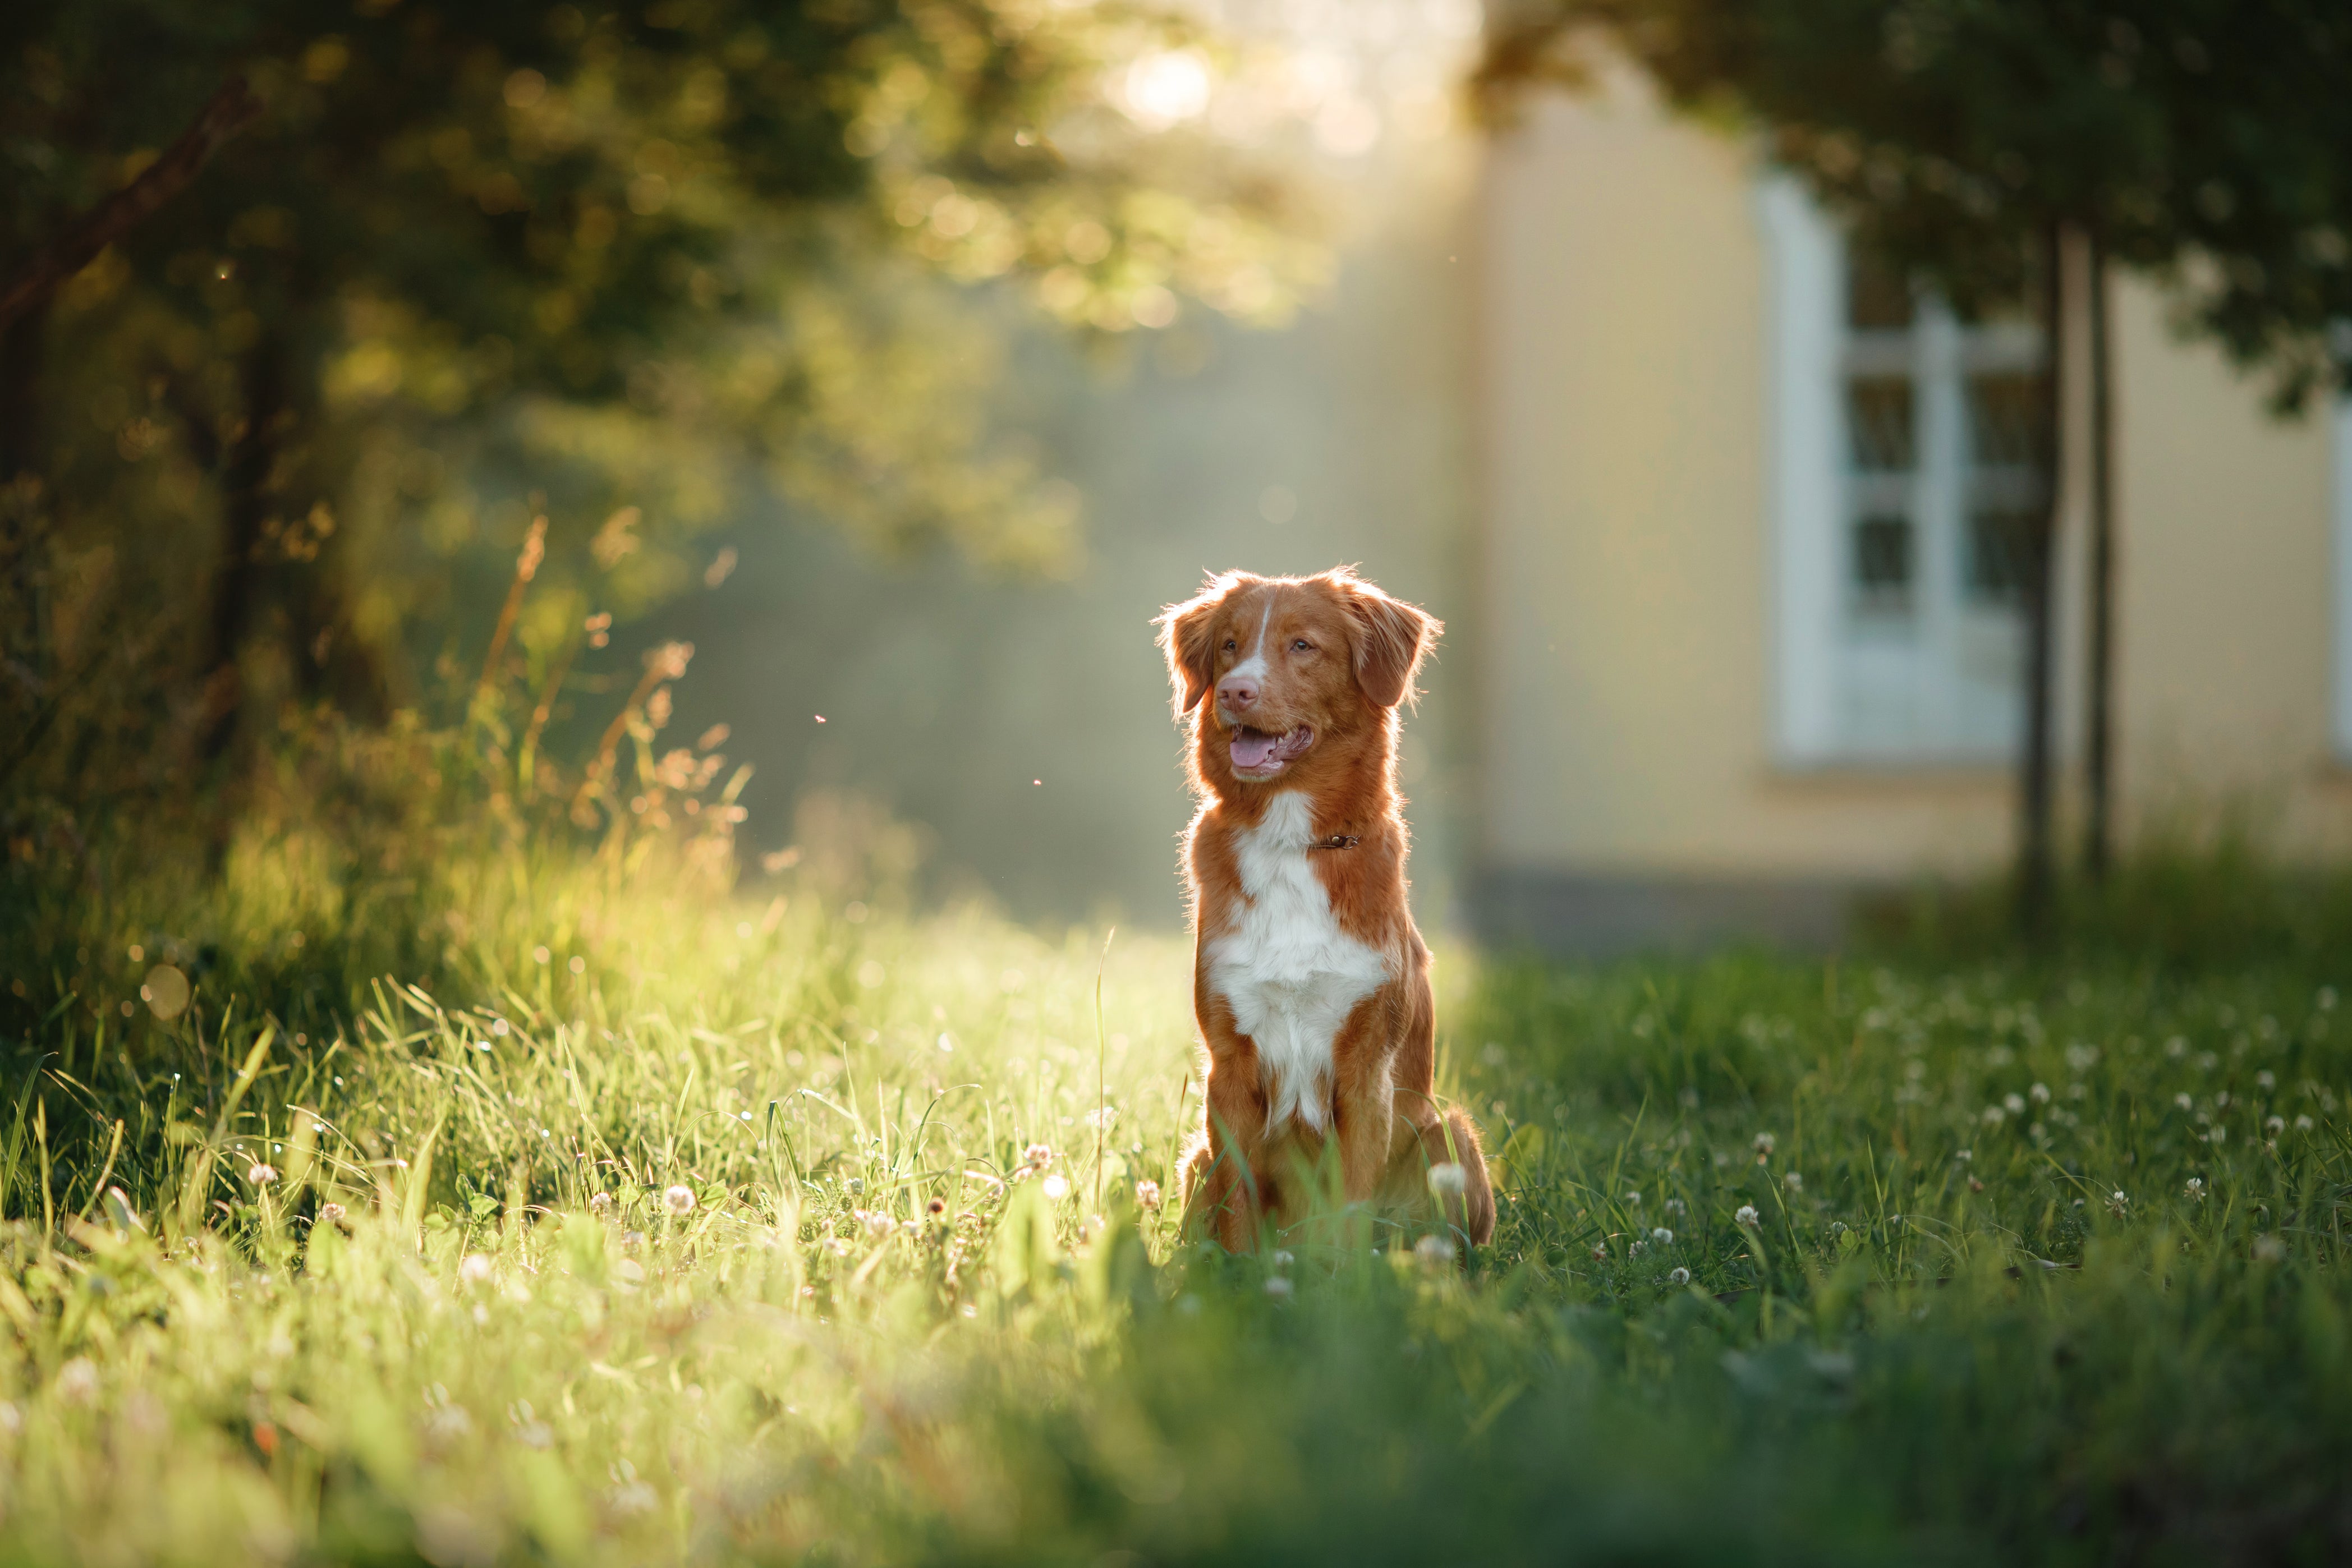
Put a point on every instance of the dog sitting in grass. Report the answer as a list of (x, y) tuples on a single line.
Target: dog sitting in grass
[(1310, 984)]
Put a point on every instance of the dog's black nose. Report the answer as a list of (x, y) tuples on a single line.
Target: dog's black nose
[(1236, 693)]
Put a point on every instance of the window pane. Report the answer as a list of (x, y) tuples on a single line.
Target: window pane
[(1877, 297), (1999, 540), (1878, 413), (2006, 421), (1881, 566)]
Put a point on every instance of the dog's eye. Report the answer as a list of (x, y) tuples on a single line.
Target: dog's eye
[(1229, 644), (1304, 646)]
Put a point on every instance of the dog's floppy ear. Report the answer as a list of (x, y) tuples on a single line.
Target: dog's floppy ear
[(1184, 637), (1392, 640)]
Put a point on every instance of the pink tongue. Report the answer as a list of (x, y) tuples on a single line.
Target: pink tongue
[(1252, 748)]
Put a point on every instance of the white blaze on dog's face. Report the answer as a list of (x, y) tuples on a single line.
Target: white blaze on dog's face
[(1285, 662)]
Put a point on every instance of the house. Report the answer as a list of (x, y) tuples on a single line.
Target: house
[(1748, 630)]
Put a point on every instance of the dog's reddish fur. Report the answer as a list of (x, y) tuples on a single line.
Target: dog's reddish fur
[(1340, 656)]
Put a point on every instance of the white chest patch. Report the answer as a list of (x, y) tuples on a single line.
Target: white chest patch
[(1288, 972)]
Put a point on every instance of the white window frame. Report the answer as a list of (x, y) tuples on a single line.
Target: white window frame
[(1803, 277), (1817, 654)]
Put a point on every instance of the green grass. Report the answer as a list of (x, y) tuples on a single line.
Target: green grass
[(1942, 1336)]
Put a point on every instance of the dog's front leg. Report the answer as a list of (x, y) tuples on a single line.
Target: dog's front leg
[(1364, 1100), (1228, 1192)]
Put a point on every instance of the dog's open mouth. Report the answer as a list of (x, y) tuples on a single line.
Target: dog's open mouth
[(1258, 755)]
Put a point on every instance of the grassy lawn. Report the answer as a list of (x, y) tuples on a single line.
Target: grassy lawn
[(670, 1228)]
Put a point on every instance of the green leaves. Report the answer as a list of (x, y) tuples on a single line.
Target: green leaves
[(2204, 142), (479, 263)]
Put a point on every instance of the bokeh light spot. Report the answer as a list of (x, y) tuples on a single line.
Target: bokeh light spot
[(166, 991)]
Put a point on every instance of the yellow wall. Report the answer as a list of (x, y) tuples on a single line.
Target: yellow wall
[(2225, 616), (1623, 656)]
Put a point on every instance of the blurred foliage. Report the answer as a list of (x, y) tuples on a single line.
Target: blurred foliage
[(625, 267), (2207, 141)]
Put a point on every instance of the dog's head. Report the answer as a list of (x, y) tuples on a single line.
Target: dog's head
[(1284, 663)]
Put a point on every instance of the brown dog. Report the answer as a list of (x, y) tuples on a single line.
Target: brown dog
[(1310, 983)]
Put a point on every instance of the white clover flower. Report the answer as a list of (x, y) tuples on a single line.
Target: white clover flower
[(76, 1381), (1964, 1155), (1283, 1260), (1632, 1198), (2194, 1188), (1600, 1252), (601, 1205), (1279, 1288), (1793, 1182), (1662, 1237), (1993, 1114), (2269, 1250), (2117, 1203), (2040, 1093), (1676, 1206), (1037, 1156), (2266, 1079), (332, 1213), (449, 1424), (1057, 1186), (1636, 1249), (1747, 1215), (2183, 1100), (1447, 1180), (678, 1200), (1764, 1143), (2303, 1123), (1436, 1251), (1147, 1196), (2274, 1125), (477, 1268), (260, 1175), (1679, 1277), (2013, 1103)]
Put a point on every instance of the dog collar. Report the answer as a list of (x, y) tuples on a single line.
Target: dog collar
[(1337, 841)]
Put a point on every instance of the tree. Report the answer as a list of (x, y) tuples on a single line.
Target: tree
[(647, 254), (2205, 141)]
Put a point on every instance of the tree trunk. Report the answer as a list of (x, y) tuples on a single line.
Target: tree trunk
[(246, 497), (2098, 737), (22, 501), (2034, 793)]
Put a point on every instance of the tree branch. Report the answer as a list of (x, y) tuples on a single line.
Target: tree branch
[(227, 111)]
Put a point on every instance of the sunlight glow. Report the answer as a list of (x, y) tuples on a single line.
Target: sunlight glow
[(1166, 87)]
